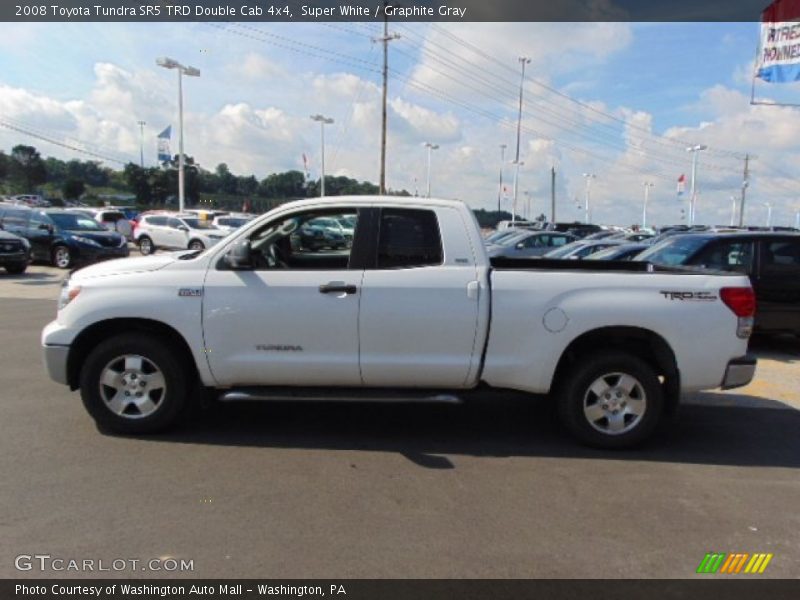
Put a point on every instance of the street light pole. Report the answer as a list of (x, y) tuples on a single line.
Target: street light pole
[(647, 186), (322, 120), (693, 194), (431, 147), (523, 60), (169, 63), (769, 213), (518, 164), (587, 211), (797, 220), (733, 211), (502, 163), (141, 142)]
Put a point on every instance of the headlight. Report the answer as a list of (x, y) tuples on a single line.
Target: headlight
[(25, 243), (83, 240), (68, 293), (122, 241)]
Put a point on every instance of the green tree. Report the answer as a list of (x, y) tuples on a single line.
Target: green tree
[(226, 180), (138, 182), (26, 168), (73, 189)]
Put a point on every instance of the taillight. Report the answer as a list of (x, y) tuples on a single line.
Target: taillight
[(741, 300)]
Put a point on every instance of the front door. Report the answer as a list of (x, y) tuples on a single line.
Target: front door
[(290, 320)]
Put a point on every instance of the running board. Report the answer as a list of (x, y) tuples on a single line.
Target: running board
[(267, 394)]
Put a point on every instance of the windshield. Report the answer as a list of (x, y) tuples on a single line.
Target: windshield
[(564, 250), (673, 251), (76, 222)]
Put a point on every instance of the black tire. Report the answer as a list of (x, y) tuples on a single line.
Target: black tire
[(16, 269), (196, 245), (168, 404), (61, 257), (146, 245), (577, 401)]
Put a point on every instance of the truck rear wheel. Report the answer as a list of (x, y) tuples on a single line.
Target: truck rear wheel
[(133, 383), (611, 401)]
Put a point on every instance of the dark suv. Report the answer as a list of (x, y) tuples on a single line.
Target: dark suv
[(63, 238), (15, 252), (771, 260)]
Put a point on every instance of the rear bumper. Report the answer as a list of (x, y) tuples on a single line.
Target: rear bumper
[(740, 372)]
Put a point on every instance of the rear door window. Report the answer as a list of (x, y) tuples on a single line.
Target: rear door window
[(409, 238)]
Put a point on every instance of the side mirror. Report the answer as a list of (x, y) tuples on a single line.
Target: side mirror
[(184, 228), (46, 227), (240, 256)]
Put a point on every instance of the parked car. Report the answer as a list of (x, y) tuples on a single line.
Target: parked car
[(599, 235), (232, 221), (33, 200), (581, 249), (175, 231), (531, 243), (619, 252), (579, 230), (631, 236), (770, 260), (15, 252), (414, 310), (323, 232), (111, 219), (63, 238)]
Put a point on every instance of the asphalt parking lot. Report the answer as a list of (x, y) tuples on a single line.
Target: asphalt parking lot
[(351, 490)]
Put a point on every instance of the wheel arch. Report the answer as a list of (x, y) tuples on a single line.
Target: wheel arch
[(97, 332), (643, 343)]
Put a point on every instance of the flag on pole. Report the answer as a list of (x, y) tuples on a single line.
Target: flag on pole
[(778, 58), (681, 184), (163, 144)]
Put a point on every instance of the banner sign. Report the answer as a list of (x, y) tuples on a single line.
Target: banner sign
[(779, 51), (163, 144)]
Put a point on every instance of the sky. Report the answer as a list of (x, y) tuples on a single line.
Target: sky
[(618, 100)]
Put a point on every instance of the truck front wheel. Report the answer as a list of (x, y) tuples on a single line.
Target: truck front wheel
[(610, 401), (133, 383)]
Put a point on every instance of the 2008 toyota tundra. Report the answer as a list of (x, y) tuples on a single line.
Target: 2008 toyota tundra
[(413, 308)]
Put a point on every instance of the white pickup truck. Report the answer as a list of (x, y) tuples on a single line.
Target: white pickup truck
[(413, 310)]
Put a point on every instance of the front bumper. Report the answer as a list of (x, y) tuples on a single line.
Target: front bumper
[(55, 363), (740, 372), (90, 255)]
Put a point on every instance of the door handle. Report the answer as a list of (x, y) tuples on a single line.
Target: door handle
[(337, 288)]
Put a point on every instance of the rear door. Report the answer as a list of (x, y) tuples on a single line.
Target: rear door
[(419, 301), (777, 285)]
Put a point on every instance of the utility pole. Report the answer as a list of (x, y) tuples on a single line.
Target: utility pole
[(552, 194), (745, 183), (385, 39), (502, 162), (523, 60), (141, 142)]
